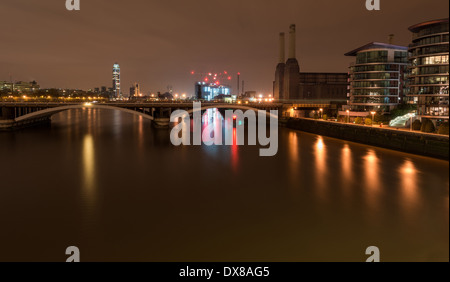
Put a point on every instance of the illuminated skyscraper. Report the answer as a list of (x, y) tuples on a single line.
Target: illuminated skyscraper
[(116, 81)]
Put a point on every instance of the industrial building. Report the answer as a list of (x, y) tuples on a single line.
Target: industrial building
[(291, 84)]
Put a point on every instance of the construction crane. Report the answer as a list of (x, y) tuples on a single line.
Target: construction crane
[(213, 77)]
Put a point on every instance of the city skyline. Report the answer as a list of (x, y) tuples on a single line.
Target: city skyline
[(244, 42)]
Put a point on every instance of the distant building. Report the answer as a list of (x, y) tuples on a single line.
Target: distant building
[(323, 86), (249, 95), (209, 91), (291, 84), (427, 84), (165, 96), (20, 87), (116, 81), (377, 77), (135, 90)]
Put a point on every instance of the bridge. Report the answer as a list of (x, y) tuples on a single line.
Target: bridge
[(21, 114)]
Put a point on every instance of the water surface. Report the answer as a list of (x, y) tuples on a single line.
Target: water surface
[(110, 184)]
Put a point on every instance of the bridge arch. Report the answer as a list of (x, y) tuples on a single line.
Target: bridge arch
[(51, 111)]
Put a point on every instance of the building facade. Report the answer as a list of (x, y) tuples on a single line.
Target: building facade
[(116, 81), (323, 86), (19, 87), (377, 78), (427, 84), (135, 90), (209, 91)]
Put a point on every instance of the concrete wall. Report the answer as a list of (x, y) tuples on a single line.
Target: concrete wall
[(431, 145)]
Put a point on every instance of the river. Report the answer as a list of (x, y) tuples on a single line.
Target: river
[(114, 186)]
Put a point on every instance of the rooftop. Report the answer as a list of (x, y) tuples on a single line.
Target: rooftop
[(376, 45), (416, 27)]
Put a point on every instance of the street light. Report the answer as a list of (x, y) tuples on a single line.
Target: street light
[(373, 116), (348, 116), (321, 113)]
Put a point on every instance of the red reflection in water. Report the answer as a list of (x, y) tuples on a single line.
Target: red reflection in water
[(234, 152)]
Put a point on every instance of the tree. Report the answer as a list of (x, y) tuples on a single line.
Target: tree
[(444, 129), (368, 121), (417, 125), (358, 120), (325, 117), (427, 126)]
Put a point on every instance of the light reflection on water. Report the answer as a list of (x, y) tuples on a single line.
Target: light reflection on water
[(89, 173), (321, 167), (146, 200), (372, 180)]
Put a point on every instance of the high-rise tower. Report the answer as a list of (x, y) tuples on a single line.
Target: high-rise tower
[(116, 81)]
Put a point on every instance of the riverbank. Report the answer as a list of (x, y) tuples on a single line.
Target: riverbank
[(431, 145)]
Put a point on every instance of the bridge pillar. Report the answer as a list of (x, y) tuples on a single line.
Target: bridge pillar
[(7, 113), (161, 122)]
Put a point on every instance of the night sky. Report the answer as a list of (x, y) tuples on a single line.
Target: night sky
[(158, 43)]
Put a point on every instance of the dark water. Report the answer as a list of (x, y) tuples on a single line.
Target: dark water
[(110, 184)]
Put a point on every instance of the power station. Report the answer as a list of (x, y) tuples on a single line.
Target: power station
[(291, 84)]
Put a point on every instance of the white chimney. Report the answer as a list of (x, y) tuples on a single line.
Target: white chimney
[(292, 41), (282, 49)]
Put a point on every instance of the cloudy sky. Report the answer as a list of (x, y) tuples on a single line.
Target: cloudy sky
[(159, 42)]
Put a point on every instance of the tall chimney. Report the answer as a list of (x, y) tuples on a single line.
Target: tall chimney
[(292, 42), (391, 39), (282, 48)]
